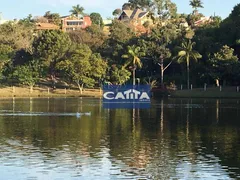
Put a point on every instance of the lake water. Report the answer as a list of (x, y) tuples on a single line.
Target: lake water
[(176, 139)]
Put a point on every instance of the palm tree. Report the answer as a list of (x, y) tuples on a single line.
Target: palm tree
[(133, 58), (196, 4), (186, 53), (77, 10)]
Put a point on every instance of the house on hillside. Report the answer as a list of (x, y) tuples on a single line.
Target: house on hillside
[(138, 18), (72, 23), (137, 15), (202, 21)]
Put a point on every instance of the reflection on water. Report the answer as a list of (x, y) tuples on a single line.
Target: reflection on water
[(9, 113), (175, 139)]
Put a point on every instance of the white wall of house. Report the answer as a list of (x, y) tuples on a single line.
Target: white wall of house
[(107, 21)]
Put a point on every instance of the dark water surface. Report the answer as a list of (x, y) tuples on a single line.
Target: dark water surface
[(176, 139)]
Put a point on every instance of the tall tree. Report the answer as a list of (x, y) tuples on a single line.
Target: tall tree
[(6, 53), (82, 67), (98, 67), (53, 18), (165, 54), (159, 45), (51, 47), (121, 32), (196, 4), (222, 65), (114, 46), (142, 4), (28, 74), (186, 53), (96, 18), (77, 67), (164, 9), (230, 28), (117, 12), (133, 56), (77, 10)]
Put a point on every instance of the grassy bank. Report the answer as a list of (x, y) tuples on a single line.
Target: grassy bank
[(47, 92), (227, 92), (23, 91)]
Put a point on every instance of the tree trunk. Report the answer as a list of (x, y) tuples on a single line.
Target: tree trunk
[(134, 74), (80, 87), (31, 88), (217, 82), (162, 73), (53, 76), (162, 69), (53, 79), (188, 81)]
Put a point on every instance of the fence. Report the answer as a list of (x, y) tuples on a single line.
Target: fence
[(7, 91), (205, 87)]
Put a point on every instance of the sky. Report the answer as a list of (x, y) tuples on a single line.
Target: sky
[(17, 9)]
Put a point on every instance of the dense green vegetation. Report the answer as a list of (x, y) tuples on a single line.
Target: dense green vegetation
[(173, 47)]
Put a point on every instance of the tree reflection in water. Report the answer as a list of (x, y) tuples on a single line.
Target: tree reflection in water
[(175, 138)]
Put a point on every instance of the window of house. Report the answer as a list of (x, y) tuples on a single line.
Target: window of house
[(69, 29), (74, 23)]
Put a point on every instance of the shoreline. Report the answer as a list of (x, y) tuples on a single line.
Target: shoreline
[(43, 92), (227, 92)]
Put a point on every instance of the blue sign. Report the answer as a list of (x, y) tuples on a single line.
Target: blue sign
[(125, 97)]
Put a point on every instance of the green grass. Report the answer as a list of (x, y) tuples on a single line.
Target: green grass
[(43, 92)]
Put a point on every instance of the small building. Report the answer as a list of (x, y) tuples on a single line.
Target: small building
[(72, 23), (202, 21)]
